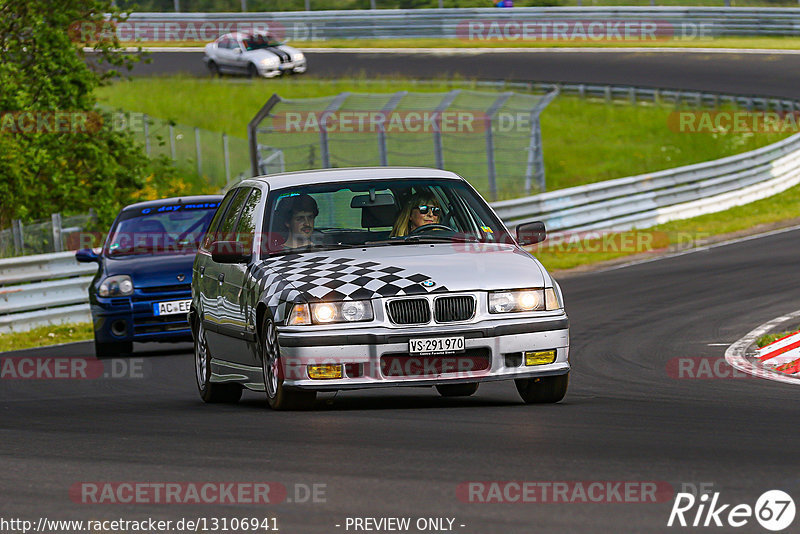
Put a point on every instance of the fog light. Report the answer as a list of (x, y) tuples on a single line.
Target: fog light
[(540, 357), (323, 372)]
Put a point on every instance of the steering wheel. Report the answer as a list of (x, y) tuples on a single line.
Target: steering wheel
[(428, 227)]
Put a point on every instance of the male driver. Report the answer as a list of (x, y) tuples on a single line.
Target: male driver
[(300, 213)]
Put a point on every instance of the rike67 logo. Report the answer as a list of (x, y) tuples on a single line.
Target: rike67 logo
[(774, 510)]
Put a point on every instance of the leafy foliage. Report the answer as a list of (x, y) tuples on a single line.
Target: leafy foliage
[(43, 72)]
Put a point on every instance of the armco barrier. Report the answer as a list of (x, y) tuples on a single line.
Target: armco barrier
[(453, 23), (43, 289), (645, 200)]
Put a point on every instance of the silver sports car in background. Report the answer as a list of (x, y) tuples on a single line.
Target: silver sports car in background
[(253, 54), (376, 277)]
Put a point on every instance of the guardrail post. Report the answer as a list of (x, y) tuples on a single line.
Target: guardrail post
[(493, 109), (172, 141), (198, 153), (437, 133), (632, 95), (19, 238), (608, 93), (226, 157), (323, 128), (56, 220), (146, 135), (387, 109)]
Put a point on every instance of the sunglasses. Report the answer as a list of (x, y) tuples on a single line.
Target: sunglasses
[(433, 209)]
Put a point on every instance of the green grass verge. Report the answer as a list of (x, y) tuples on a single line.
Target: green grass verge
[(46, 335), (774, 43), (584, 141)]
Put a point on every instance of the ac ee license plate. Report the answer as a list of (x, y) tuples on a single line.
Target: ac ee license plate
[(172, 307)]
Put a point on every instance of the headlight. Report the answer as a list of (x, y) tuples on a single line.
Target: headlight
[(298, 57), (269, 61), (349, 311), (116, 286), (523, 300)]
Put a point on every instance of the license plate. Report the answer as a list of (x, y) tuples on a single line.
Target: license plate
[(172, 307), (436, 345)]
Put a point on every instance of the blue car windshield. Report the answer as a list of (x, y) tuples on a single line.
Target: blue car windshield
[(167, 229)]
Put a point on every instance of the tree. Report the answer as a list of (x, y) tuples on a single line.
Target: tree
[(57, 152)]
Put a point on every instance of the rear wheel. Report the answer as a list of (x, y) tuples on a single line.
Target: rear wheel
[(210, 391), (457, 390), (541, 390), (279, 397), (112, 350)]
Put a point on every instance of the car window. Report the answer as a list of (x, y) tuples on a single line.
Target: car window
[(212, 228), (246, 227), (378, 213), (225, 231)]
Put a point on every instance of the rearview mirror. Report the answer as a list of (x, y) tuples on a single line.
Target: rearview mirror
[(229, 252), (531, 233), (86, 255)]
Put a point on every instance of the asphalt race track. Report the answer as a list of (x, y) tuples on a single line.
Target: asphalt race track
[(628, 417), (767, 74)]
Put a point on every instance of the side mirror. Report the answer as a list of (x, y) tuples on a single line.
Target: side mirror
[(531, 233), (229, 252), (237, 50), (87, 255)]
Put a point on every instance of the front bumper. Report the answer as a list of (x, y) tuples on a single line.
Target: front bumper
[(494, 350), (123, 319)]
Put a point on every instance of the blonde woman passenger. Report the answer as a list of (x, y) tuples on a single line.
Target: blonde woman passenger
[(421, 209)]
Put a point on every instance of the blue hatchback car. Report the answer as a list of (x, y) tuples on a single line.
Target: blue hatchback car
[(142, 290)]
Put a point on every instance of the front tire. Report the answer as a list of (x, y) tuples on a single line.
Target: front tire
[(279, 397), (252, 71), (543, 390), (457, 390), (213, 68), (211, 392)]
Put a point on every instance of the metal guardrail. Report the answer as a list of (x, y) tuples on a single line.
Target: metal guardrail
[(43, 289), (453, 23), (645, 200)]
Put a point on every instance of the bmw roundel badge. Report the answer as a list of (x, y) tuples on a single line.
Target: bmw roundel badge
[(428, 283)]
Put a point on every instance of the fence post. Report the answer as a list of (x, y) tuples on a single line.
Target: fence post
[(56, 220), (388, 108), (146, 135), (437, 133), (19, 239), (226, 157), (323, 128), (495, 107), (197, 151), (535, 167), (172, 141)]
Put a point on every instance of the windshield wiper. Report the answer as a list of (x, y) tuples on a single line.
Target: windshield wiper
[(417, 239), (307, 248)]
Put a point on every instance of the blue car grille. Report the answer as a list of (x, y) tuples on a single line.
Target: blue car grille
[(144, 320)]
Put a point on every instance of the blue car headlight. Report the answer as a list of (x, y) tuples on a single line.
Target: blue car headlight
[(120, 285)]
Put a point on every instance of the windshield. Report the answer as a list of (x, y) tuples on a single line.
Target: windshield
[(379, 213), (260, 41), (168, 229)]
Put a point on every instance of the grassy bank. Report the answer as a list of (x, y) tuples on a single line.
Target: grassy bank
[(46, 335), (584, 141)]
